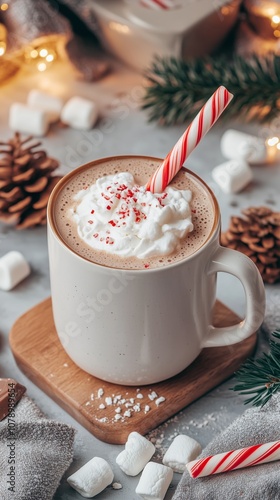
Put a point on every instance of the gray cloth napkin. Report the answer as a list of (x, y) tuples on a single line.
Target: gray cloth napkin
[(261, 482), (40, 451)]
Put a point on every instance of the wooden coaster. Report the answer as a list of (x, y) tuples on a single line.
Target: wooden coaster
[(40, 356)]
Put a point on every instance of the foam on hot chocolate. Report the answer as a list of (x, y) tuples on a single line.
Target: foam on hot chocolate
[(116, 216), (74, 205)]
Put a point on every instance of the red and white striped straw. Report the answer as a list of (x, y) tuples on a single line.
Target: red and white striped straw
[(201, 124), (236, 459), (158, 4)]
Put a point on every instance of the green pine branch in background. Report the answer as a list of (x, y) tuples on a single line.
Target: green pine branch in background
[(261, 377), (177, 89)]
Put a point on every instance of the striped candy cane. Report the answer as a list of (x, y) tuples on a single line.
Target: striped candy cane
[(159, 4), (201, 124), (236, 459)]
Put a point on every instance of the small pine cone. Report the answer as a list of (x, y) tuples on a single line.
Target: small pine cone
[(257, 235), (26, 182)]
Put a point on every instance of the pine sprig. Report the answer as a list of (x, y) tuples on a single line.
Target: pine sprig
[(177, 89), (261, 377)]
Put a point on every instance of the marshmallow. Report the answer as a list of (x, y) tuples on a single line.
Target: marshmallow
[(51, 104), (182, 450), (79, 113), (92, 478), (154, 481), (233, 175), (138, 451), (235, 145), (28, 120), (13, 269)]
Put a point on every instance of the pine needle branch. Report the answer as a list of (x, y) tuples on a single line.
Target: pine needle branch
[(261, 377), (177, 89)]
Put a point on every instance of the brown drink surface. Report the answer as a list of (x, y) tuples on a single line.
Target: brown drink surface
[(202, 206)]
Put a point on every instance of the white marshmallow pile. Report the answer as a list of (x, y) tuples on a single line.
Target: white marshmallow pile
[(79, 113), (48, 103), (92, 478), (182, 450), (241, 149), (138, 451), (232, 176), (237, 145), (13, 269), (25, 119), (43, 108), (154, 481)]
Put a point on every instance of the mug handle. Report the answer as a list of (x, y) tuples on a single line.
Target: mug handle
[(236, 263)]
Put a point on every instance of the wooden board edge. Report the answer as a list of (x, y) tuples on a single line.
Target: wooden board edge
[(106, 431), (99, 431)]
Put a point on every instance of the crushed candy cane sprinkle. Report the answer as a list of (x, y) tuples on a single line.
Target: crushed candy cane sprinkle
[(116, 407), (117, 216)]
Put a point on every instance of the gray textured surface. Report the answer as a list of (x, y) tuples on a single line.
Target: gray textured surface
[(31, 433), (255, 426), (126, 131)]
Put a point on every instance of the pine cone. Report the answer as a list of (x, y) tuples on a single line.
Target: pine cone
[(258, 236), (26, 182)]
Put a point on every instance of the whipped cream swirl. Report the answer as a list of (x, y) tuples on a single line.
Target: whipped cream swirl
[(117, 216)]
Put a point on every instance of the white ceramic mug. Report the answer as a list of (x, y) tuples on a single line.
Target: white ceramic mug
[(137, 327)]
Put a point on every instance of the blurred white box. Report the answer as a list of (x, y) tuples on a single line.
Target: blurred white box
[(136, 33)]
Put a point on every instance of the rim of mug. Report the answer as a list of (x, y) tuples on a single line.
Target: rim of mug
[(92, 163)]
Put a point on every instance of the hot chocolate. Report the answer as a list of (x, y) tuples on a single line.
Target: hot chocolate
[(194, 201)]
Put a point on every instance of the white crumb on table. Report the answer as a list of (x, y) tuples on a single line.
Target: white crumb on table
[(153, 395), (117, 486), (125, 407), (160, 400), (100, 392)]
